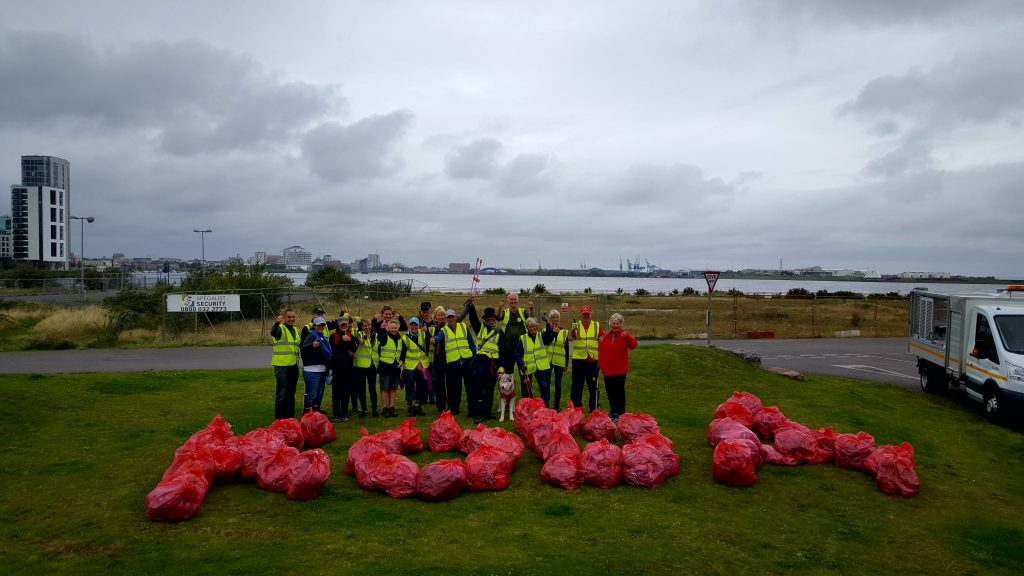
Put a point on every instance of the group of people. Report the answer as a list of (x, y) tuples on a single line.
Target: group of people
[(434, 356)]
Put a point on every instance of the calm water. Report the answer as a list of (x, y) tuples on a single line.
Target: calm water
[(556, 284)]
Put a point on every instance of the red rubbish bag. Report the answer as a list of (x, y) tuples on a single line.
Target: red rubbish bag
[(753, 403), (733, 465), (216, 432), (824, 451), (471, 438), (558, 443), (272, 471), (410, 435), (488, 468), (227, 458), (544, 424), (177, 498), (767, 419), (396, 475), (796, 440), (363, 447), (524, 412), (390, 439), (897, 476), (503, 440), (852, 449), (307, 475), (598, 425), (728, 429), (317, 429), (642, 466), (290, 431), (563, 470), (738, 412), (666, 450), (602, 464), (445, 433), (441, 480), (636, 425), (193, 455), (573, 418), (771, 456)]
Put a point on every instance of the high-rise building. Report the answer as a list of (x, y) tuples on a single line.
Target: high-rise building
[(6, 246), (297, 257), (41, 211)]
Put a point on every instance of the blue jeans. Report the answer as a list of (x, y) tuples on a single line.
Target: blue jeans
[(315, 382), (543, 380), (557, 371)]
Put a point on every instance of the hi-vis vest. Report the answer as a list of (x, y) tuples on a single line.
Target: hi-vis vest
[(456, 344), (431, 346), (487, 342), (507, 315), (286, 348), (585, 344), (414, 353), (365, 355), (535, 354), (556, 350), (390, 350)]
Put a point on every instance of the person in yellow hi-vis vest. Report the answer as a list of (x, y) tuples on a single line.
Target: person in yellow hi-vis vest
[(285, 361), (416, 365), (585, 334), (459, 349), (532, 358), (557, 340)]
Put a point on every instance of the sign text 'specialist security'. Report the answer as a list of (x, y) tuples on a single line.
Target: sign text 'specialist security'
[(203, 303)]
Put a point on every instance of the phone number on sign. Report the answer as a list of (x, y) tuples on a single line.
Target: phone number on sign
[(204, 309)]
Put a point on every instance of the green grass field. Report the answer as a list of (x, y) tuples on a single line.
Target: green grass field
[(80, 453)]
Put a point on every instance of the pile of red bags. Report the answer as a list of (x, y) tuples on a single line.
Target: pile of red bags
[(270, 456), (741, 423)]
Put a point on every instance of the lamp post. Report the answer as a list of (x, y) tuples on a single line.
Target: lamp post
[(202, 236), (81, 249)]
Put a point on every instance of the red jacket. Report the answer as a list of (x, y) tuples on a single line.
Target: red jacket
[(613, 352)]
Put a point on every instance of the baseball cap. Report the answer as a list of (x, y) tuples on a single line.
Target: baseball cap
[(586, 310), (342, 321), (449, 312), (414, 320), (318, 321), (318, 310), (424, 305)]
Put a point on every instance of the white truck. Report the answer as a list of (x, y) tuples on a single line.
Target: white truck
[(971, 340)]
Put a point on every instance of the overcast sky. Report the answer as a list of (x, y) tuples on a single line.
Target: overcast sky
[(870, 134)]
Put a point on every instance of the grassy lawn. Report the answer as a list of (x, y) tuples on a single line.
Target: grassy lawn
[(80, 453)]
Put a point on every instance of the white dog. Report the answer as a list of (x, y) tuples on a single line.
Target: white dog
[(507, 392)]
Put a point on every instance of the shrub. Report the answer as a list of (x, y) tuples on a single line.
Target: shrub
[(387, 289), (588, 290), (688, 291), (499, 291), (329, 276), (238, 277), (618, 291), (855, 319), (641, 292), (798, 292), (540, 289)]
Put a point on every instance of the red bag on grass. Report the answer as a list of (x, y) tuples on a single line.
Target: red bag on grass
[(410, 435), (598, 425), (665, 448), (728, 429), (563, 470), (886, 452), (307, 475), (396, 475), (767, 419), (852, 449), (441, 480), (795, 440), (503, 440), (602, 464), (471, 438), (391, 439), (825, 439), (272, 471), (445, 433), (488, 468), (227, 459), (317, 429), (365, 466), (733, 465), (193, 455), (253, 447), (642, 466), (771, 456), (177, 498), (290, 431), (216, 432), (895, 472), (738, 412), (558, 443), (524, 412), (636, 425), (544, 424), (364, 446), (573, 419), (753, 403)]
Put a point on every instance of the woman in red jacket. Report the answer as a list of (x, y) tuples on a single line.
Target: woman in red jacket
[(613, 358)]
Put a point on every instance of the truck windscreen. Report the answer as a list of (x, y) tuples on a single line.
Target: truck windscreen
[(1011, 330)]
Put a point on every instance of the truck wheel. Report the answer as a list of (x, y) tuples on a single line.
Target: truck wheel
[(995, 408), (933, 381)]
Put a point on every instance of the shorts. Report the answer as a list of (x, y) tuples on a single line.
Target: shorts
[(389, 382)]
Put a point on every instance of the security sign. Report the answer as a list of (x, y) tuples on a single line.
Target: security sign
[(203, 303), (712, 279)]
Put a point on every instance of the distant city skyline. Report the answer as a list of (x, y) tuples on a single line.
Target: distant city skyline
[(706, 134)]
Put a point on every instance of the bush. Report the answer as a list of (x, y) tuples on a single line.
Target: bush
[(855, 319), (387, 289), (675, 292), (540, 289), (329, 276), (641, 292), (798, 292), (588, 290), (688, 291), (618, 291), (495, 291), (238, 277), (735, 292)]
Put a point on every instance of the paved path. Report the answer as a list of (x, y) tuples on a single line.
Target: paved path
[(878, 359)]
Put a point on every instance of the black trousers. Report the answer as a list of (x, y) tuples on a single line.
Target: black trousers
[(615, 387), (437, 372), (454, 374), (484, 379), (287, 379), (583, 372), (341, 390), (364, 378)]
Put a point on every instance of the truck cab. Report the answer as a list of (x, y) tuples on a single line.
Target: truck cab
[(994, 367)]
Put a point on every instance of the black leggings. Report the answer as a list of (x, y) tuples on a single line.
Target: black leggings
[(365, 378), (615, 387)]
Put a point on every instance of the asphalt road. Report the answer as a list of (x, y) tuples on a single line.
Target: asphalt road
[(878, 359)]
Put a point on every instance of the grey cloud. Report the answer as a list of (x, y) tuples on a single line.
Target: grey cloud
[(198, 98), (677, 184), (478, 159), (362, 149), (913, 154), (884, 12)]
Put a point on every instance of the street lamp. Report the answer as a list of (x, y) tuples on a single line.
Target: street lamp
[(81, 249), (202, 236)]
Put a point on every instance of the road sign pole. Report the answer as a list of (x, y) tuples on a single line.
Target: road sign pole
[(711, 278)]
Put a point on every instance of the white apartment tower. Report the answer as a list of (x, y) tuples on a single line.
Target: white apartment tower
[(41, 211)]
